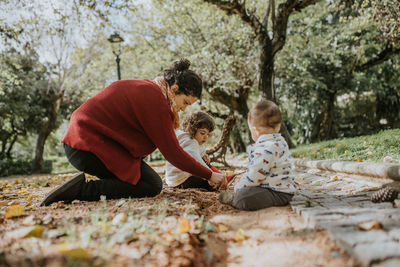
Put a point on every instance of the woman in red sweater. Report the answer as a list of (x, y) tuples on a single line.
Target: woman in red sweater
[(111, 133)]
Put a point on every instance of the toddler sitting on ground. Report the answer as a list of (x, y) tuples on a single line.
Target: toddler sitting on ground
[(268, 180), (197, 127)]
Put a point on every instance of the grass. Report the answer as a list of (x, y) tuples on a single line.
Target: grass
[(371, 148)]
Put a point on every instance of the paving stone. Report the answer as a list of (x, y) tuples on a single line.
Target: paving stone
[(395, 233), (368, 253), (388, 263), (340, 206), (350, 237)]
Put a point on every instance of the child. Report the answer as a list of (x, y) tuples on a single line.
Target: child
[(268, 180), (197, 127)]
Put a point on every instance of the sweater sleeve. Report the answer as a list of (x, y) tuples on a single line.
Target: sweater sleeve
[(154, 115)]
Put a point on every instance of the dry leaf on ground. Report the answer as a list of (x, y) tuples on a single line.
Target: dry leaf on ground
[(184, 225), (240, 236), (369, 225), (14, 211)]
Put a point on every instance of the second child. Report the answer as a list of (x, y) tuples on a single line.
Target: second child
[(268, 180), (197, 128)]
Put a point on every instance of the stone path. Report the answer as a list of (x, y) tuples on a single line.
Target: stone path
[(341, 204)]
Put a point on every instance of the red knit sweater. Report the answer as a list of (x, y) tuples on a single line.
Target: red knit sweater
[(124, 122)]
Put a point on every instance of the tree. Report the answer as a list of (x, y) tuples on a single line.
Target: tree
[(55, 36), (21, 77), (342, 67), (271, 38)]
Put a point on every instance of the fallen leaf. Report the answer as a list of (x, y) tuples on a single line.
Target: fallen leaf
[(184, 225), (14, 211), (335, 178), (358, 160), (222, 227), (76, 253), (209, 227), (239, 235), (369, 225), (35, 231), (59, 204)]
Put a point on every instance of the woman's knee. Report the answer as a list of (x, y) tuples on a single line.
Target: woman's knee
[(155, 188)]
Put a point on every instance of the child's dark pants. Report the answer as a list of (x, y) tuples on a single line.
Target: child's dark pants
[(150, 183), (195, 182), (255, 198)]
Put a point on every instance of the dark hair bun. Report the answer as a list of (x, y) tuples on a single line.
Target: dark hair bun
[(181, 65), (188, 81)]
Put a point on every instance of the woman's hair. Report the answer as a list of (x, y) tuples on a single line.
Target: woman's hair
[(197, 120), (265, 114), (188, 81)]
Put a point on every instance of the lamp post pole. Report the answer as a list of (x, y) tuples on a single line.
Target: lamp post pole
[(118, 69), (116, 40)]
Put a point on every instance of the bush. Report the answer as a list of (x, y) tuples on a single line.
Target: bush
[(21, 166)]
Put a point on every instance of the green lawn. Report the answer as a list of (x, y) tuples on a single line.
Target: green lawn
[(373, 148)]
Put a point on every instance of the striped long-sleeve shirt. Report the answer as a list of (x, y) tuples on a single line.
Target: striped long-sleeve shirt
[(270, 165)]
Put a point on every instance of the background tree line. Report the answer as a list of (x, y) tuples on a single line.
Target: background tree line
[(333, 66)]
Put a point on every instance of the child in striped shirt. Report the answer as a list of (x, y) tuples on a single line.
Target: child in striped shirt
[(268, 180)]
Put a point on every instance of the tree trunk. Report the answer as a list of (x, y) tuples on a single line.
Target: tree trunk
[(286, 135), (10, 146), (43, 134), (266, 80), (324, 125), (265, 83), (238, 144)]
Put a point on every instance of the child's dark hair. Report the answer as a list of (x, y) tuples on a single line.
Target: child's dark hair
[(189, 82), (197, 120), (265, 114)]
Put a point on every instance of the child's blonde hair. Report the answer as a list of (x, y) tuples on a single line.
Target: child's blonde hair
[(265, 114), (197, 120)]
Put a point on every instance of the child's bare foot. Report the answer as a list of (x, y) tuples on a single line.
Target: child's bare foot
[(226, 197)]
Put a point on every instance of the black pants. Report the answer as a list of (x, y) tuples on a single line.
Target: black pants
[(195, 182), (149, 184)]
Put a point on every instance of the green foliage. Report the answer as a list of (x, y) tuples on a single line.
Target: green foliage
[(21, 166), (372, 148), (324, 89), (21, 79)]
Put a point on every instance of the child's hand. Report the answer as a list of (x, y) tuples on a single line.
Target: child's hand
[(206, 159), (218, 181)]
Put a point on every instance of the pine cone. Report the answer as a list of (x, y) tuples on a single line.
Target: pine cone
[(387, 194)]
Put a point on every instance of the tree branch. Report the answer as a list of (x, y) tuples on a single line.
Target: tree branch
[(265, 20), (384, 55), (284, 11), (234, 6)]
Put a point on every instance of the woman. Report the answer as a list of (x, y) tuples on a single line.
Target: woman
[(111, 133)]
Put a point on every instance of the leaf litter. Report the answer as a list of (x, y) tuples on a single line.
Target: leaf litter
[(176, 228)]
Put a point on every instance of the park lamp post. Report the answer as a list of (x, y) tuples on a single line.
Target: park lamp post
[(116, 41)]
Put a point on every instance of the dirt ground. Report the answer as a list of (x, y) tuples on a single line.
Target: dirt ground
[(176, 228)]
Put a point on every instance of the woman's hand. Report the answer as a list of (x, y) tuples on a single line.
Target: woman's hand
[(218, 181)]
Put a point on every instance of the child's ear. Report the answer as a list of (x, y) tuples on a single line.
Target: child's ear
[(258, 130)]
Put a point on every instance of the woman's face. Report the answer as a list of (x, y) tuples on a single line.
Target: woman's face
[(182, 101)]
